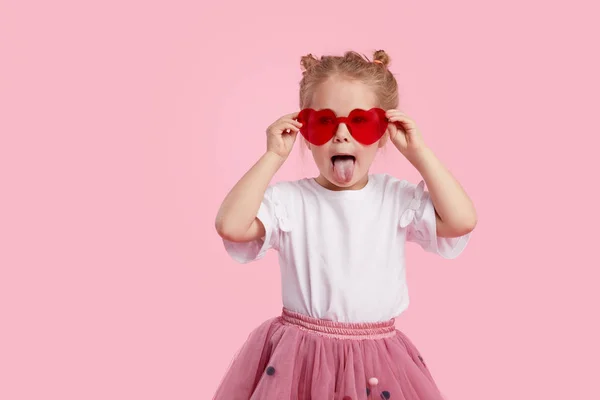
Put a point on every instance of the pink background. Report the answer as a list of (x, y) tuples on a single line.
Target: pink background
[(124, 124)]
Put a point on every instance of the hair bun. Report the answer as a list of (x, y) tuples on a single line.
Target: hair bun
[(380, 56), (308, 61)]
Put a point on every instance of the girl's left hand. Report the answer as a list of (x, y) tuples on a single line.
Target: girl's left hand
[(404, 133)]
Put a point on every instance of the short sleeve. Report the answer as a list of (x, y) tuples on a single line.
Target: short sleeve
[(419, 219), (273, 214)]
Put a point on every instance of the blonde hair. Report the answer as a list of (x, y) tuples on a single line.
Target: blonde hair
[(353, 66)]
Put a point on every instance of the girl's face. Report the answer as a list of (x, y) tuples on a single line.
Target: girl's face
[(343, 162)]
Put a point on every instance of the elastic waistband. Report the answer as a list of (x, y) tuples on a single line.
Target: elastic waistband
[(340, 330)]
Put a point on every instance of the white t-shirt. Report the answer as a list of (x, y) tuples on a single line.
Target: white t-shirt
[(341, 253)]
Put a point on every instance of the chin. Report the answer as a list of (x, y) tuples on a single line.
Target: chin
[(343, 185)]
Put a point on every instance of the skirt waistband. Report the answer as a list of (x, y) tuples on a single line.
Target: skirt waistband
[(340, 330)]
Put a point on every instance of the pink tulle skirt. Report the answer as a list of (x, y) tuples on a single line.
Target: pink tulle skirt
[(294, 356)]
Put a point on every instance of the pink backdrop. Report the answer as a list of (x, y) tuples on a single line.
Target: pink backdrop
[(123, 125)]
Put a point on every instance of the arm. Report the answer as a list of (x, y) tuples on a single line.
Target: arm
[(236, 220), (455, 212), (237, 217)]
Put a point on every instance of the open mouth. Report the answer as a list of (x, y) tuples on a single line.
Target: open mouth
[(343, 167), (343, 158)]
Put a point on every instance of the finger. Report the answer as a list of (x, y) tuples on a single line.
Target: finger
[(396, 113), (294, 126), (397, 127), (401, 120), (288, 127), (397, 119), (291, 136), (293, 121), (290, 116), (392, 130)]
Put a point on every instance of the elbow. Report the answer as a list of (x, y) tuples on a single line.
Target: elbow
[(468, 229), (222, 229), (468, 225), (473, 221), (226, 231), (457, 228)]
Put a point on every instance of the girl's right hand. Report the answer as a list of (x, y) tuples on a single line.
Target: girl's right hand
[(281, 135)]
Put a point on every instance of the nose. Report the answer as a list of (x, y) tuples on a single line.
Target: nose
[(342, 134)]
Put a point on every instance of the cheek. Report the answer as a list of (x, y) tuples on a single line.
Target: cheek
[(320, 154), (368, 153)]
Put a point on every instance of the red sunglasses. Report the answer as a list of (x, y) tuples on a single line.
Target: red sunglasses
[(366, 126)]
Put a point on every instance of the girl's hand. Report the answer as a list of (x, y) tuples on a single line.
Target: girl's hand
[(281, 135), (404, 133)]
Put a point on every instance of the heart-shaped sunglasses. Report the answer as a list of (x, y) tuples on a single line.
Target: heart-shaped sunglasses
[(319, 126)]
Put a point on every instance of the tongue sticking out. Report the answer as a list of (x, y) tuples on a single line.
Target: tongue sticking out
[(343, 168)]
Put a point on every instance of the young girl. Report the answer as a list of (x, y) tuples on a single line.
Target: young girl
[(340, 238)]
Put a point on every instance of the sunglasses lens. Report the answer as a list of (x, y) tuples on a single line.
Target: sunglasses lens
[(367, 127), (318, 127)]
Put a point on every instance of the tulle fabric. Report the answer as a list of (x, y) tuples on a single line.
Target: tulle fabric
[(297, 357)]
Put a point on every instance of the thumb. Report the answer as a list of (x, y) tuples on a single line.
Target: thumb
[(291, 137)]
